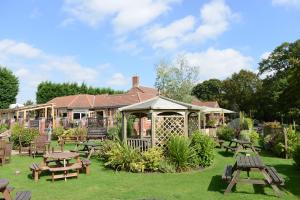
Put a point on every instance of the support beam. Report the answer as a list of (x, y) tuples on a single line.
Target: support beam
[(186, 123), (204, 121), (124, 126), (199, 121), (153, 115), (53, 116), (46, 113)]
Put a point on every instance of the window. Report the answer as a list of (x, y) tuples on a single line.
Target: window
[(76, 115), (64, 114)]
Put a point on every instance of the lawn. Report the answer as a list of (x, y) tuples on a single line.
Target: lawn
[(107, 184)]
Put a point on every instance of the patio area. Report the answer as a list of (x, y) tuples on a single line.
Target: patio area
[(108, 184)]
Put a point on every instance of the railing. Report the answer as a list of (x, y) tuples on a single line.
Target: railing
[(139, 144)]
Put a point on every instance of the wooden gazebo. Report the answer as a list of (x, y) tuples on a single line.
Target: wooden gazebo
[(167, 116)]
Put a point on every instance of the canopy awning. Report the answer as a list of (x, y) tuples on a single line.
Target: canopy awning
[(160, 103), (216, 110)]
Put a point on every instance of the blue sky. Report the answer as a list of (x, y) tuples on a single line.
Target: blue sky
[(105, 42)]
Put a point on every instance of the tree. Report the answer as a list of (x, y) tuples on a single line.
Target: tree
[(210, 90), (240, 91), (280, 92), (48, 90), (176, 80), (28, 103), (9, 87)]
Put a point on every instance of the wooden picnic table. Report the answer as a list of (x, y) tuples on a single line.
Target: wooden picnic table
[(3, 188), (65, 157), (238, 146), (248, 164), (88, 148)]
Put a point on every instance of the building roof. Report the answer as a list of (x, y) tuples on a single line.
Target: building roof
[(134, 95), (211, 104), (160, 103)]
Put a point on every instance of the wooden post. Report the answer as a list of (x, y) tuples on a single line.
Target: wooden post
[(285, 143), (124, 125), (140, 126), (186, 124), (223, 118), (199, 121), (153, 115), (25, 115), (204, 121), (46, 113), (53, 116)]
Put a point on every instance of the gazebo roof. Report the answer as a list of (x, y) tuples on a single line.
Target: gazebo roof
[(160, 103), (216, 110)]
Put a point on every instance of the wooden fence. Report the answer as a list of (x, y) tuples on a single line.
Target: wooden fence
[(139, 144)]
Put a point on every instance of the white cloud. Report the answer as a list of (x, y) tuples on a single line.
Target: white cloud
[(32, 66), (215, 18), (122, 44), (117, 79), (124, 15), (9, 47), (287, 3), (214, 63), (167, 37)]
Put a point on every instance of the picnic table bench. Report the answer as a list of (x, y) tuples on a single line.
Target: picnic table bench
[(238, 146), (6, 190), (247, 164), (88, 148)]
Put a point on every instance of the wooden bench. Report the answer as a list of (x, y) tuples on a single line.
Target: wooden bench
[(65, 170), (276, 178), (96, 133), (86, 166), (23, 195), (36, 171), (227, 175), (233, 149)]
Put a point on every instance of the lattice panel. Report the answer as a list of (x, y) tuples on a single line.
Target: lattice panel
[(193, 124), (166, 127)]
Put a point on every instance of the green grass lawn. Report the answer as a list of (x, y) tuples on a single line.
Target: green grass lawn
[(107, 184)]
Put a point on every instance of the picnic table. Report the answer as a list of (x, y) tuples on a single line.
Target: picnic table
[(6, 190), (248, 164), (88, 148), (64, 167), (238, 146)]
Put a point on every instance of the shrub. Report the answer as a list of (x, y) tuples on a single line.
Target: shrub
[(3, 127), (80, 131), (212, 123), (180, 153), (26, 135), (254, 137), (225, 133), (152, 158), (57, 132), (204, 148), (123, 157), (114, 133), (245, 135), (167, 167), (296, 155), (105, 147)]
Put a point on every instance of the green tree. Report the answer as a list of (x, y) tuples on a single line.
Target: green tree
[(28, 103), (9, 87), (280, 92), (48, 90), (176, 80), (210, 90), (240, 91)]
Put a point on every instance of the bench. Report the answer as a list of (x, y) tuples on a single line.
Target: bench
[(36, 171), (86, 166), (65, 170), (23, 195), (227, 176), (276, 178), (233, 149), (96, 133)]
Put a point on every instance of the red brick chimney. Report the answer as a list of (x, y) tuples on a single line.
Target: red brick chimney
[(135, 81)]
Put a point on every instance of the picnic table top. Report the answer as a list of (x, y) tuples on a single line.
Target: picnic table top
[(240, 141), (247, 162), (61, 155), (3, 183)]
